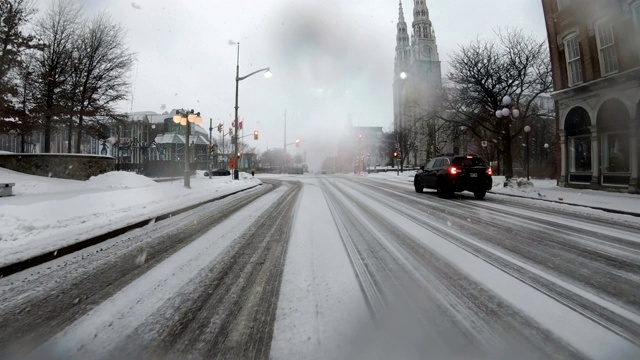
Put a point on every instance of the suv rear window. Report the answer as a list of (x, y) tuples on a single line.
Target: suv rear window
[(465, 161)]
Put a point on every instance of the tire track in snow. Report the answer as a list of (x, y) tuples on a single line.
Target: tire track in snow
[(112, 325), (609, 315), (37, 303), (470, 319), (233, 314)]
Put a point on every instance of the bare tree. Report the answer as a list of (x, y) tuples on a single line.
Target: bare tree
[(100, 68), (57, 30), (14, 42), (483, 72)]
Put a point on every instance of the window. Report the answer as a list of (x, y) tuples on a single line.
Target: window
[(606, 49), (615, 152), (563, 4), (580, 153), (465, 161), (572, 53), (430, 164)]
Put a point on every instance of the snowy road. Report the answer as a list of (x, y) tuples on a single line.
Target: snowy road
[(340, 267)]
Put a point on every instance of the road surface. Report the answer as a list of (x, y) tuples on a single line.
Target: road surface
[(340, 267)]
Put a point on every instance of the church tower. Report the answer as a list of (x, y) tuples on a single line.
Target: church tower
[(417, 81), (402, 62), (425, 62)]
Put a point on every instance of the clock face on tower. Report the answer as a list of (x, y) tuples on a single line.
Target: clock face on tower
[(425, 52)]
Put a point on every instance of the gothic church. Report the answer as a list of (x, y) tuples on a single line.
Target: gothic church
[(417, 81)]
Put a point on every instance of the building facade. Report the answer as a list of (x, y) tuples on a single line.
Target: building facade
[(595, 58), (138, 137), (417, 79)]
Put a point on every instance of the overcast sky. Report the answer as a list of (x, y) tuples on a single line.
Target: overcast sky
[(329, 58)]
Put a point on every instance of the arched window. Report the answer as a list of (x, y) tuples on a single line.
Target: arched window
[(576, 126)]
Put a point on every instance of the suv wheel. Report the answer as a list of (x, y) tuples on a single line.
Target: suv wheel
[(479, 194), (419, 188)]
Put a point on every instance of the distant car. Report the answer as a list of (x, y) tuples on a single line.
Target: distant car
[(454, 173), (218, 172)]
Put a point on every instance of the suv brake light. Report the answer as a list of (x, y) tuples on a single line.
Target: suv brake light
[(453, 170), (489, 171)]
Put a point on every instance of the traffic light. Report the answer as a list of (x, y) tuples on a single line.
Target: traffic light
[(256, 134), (437, 149), (239, 155), (213, 149), (230, 131), (220, 128), (395, 154), (297, 142)]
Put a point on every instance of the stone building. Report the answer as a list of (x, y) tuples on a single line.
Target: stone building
[(417, 79), (595, 57)]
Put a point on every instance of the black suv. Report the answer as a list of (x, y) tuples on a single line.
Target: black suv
[(454, 173)]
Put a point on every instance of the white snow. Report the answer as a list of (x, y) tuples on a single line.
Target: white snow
[(109, 324), (548, 190), (121, 179), (49, 213), (320, 301), (545, 189), (592, 339)]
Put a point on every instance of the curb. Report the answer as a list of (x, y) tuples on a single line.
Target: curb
[(614, 211), (22, 265)]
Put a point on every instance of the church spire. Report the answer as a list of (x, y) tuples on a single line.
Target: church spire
[(403, 51), (423, 40)]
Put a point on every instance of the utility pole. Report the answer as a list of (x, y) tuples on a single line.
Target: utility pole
[(210, 145), (284, 141)]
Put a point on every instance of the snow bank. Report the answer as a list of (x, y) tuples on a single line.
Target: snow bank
[(52, 213), (121, 180), (548, 190), (33, 185)]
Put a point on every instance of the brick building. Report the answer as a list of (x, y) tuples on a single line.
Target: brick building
[(595, 58)]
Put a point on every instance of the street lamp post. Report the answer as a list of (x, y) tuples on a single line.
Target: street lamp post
[(509, 112), (527, 130), (186, 118), (401, 98), (210, 145), (267, 74), (495, 141)]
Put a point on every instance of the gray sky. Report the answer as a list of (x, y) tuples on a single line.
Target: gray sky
[(328, 58)]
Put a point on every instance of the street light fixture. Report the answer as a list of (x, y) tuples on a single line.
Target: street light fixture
[(185, 119), (508, 111), (527, 130), (267, 74)]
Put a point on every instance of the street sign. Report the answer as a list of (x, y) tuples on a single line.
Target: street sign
[(232, 162), (397, 145)]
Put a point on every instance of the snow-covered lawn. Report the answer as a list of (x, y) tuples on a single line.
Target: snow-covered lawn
[(47, 213)]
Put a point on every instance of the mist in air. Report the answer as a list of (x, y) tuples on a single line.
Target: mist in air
[(334, 69)]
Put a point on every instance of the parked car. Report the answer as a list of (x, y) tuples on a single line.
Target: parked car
[(218, 172), (455, 173)]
